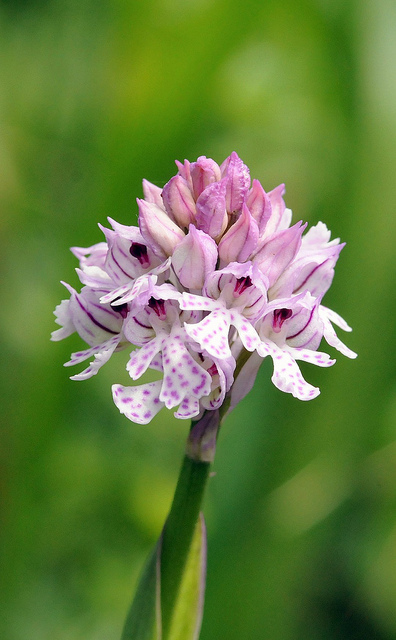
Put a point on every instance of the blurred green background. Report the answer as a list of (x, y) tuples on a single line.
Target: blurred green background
[(301, 513)]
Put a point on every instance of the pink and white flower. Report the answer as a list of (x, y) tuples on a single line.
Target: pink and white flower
[(212, 281)]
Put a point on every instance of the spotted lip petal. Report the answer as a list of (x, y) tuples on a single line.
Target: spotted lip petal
[(287, 375), (212, 333), (140, 404), (183, 376)]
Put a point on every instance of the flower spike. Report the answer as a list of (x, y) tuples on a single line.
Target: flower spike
[(212, 280)]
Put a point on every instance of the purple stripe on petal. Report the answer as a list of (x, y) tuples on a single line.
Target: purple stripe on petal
[(93, 319), (304, 327)]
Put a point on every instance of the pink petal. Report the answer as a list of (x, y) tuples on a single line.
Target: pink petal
[(278, 252), (240, 240), (277, 209), (178, 201), (259, 205), (238, 182), (159, 231), (212, 216), (152, 193), (194, 258), (203, 172)]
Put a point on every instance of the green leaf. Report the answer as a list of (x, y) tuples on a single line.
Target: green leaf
[(144, 617), (187, 614)]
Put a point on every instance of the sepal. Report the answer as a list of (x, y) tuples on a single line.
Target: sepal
[(194, 258), (159, 231), (178, 201), (212, 216), (240, 240)]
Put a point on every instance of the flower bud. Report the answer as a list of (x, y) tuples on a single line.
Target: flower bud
[(278, 209), (259, 205), (184, 171), (238, 181), (278, 252), (178, 201), (161, 234), (194, 257), (240, 240), (152, 193), (212, 215), (203, 172)]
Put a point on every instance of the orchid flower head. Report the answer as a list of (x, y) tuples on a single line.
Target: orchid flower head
[(212, 280)]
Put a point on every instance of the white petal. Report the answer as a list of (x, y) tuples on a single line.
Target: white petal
[(189, 408), (139, 404), (183, 376), (141, 358), (248, 335), (94, 276), (314, 357), (212, 333), (287, 375), (334, 317), (333, 340), (202, 303), (63, 317), (102, 353)]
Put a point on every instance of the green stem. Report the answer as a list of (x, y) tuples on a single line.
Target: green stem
[(180, 525), (178, 532)]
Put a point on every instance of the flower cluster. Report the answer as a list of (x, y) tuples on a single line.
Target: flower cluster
[(213, 280)]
